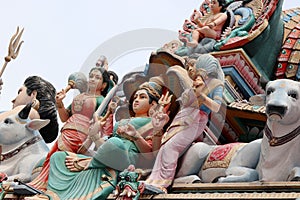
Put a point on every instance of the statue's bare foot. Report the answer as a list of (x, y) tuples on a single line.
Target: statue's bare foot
[(192, 44), (75, 164), (155, 189)]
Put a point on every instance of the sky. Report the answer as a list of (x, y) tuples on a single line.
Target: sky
[(62, 37)]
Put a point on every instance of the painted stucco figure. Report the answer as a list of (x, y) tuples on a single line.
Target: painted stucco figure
[(272, 158), (133, 141), (77, 118), (190, 121), (41, 92), (22, 145)]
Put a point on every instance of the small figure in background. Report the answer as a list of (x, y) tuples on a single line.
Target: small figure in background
[(212, 26), (102, 62)]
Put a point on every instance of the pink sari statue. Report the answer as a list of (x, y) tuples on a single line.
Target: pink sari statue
[(186, 127), (77, 118), (190, 121)]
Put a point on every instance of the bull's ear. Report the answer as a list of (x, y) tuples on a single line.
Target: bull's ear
[(37, 124), (258, 100)]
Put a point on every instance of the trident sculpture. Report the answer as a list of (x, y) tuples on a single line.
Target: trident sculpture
[(13, 49)]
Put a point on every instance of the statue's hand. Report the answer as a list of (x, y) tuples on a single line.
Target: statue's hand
[(129, 132), (60, 96), (114, 103), (189, 26), (165, 102), (195, 16), (94, 128), (159, 119), (199, 85), (183, 36)]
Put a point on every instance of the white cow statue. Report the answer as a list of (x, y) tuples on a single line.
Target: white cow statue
[(22, 145), (275, 157)]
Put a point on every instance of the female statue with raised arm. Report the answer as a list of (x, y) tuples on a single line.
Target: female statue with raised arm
[(77, 118), (133, 141), (190, 121)]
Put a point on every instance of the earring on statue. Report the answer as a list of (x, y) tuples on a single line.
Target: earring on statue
[(35, 104)]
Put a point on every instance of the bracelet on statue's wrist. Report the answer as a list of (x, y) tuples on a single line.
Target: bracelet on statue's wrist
[(95, 137), (158, 133), (135, 138), (201, 97)]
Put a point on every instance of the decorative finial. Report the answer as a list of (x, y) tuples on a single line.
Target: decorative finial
[(13, 49)]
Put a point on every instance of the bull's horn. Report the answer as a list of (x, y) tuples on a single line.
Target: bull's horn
[(24, 113)]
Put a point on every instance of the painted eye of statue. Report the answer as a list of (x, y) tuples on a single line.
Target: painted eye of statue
[(8, 121), (119, 178), (269, 91), (293, 94)]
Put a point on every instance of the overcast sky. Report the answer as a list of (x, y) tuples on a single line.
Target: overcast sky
[(64, 36)]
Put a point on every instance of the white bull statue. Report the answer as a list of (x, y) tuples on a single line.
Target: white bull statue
[(22, 145), (275, 157)]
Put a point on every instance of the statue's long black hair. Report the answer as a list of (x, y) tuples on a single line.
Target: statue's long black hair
[(47, 110)]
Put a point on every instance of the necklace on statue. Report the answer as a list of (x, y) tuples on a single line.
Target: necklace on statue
[(80, 100)]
